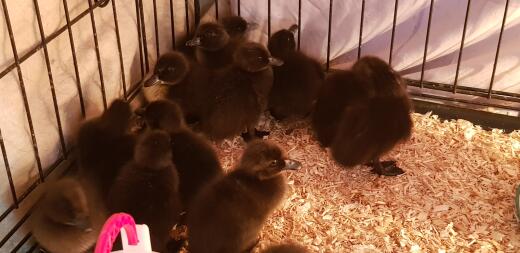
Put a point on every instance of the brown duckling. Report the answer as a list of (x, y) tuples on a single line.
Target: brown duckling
[(213, 47), (182, 80), (240, 94), (237, 27), (105, 144), (193, 156), (68, 218), (297, 82), (147, 187), (367, 111), (228, 214)]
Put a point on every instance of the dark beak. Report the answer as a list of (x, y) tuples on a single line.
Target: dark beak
[(292, 165), (151, 81), (193, 42), (252, 26), (293, 29), (275, 61), (83, 224), (140, 111)]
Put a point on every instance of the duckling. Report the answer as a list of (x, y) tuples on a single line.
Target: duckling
[(105, 144), (372, 115), (240, 94), (286, 248), (182, 80), (67, 219), (228, 214), (237, 27), (147, 187), (193, 156), (297, 82), (213, 47)]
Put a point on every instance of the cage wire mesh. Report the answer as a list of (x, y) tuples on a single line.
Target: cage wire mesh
[(138, 29)]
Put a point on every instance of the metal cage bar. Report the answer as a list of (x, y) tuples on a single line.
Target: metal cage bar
[(22, 242), (172, 25), (427, 41), (216, 9), (238, 7), (361, 28), (16, 226), (139, 38), (455, 83), (73, 51), (187, 15), (98, 56), (396, 6), (299, 22), (329, 34), (23, 91), (156, 29), (268, 17), (504, 19), (8, 171), (143, 34), (51, 79), (120, 51)]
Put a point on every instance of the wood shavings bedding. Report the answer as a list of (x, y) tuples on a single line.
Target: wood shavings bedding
[(457, 194)]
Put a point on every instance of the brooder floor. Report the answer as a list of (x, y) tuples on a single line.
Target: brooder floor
[(457, 193)]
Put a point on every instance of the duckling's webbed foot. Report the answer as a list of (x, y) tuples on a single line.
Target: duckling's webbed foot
[(385, 168), (254, 133)]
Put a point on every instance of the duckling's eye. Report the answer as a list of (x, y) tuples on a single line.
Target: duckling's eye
[(170, 69), (274, 163), (260, 58)]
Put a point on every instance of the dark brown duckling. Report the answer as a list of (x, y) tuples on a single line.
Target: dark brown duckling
[(105, 144), (184, 81), (237, 27), (147, 188), (193, 156), (374, 115), (286, 248), (240, 93), (68, 218), (213, 47), (297, 82), (228, 214)]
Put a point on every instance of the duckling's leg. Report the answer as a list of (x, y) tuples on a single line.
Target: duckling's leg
[(385, 168), (253, 133)]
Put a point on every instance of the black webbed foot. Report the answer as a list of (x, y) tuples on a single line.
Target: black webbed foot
[(386, 168), (247, 136)]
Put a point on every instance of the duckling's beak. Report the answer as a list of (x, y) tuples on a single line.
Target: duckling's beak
[(275, 61), (252, 26), (83, 224), (293, 29), (291, 164), (193, 42), (140, 111), (151, 80)]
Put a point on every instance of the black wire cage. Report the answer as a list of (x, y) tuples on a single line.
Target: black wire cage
[(14, 236)]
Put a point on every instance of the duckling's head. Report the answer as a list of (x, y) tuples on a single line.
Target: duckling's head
[(283, 42), (171, 68), (210, 36), (237, 26), (153, 150), (117, 116), (65, 203), (380, 78), (253, 57), (264, 160), (163, 115)]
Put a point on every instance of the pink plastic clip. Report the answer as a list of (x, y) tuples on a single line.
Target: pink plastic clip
[(111, 230)]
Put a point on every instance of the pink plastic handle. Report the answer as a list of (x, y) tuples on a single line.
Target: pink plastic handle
[(111, 230)]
